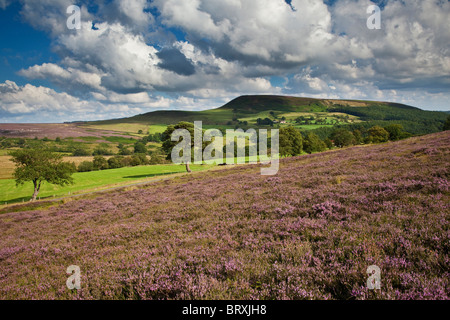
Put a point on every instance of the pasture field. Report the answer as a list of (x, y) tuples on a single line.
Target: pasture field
[(130, 128), (91, 181)]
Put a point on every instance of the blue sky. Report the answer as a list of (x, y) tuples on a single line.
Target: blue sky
[(143, 55)]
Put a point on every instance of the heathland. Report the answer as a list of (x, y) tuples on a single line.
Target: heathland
[(311, 231)]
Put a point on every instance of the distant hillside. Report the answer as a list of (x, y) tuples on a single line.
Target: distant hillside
[(247, 109), (255, 104)]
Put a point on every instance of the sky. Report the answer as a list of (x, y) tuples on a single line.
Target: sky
[(135, 56)]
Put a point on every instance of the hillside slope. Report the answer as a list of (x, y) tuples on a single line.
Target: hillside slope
[(311, 231), (249, 108)]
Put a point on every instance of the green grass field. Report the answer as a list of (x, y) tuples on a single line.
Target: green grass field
[(157, 128), (91, 181)]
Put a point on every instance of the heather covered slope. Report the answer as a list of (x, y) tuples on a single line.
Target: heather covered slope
[(309, 232)]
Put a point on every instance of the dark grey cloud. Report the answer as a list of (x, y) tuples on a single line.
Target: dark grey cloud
[(174, 60)]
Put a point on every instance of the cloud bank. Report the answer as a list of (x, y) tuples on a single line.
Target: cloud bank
[(138, 56)]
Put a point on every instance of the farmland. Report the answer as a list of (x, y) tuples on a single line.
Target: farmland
[(310, 232), (91, 181)]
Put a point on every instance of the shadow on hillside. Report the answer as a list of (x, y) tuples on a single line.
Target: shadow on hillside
[(16, 200)]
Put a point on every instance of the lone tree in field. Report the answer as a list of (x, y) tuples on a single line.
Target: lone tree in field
[(38, 165), (168, 144)]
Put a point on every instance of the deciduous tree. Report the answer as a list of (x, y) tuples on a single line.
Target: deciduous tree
[(39, 165)]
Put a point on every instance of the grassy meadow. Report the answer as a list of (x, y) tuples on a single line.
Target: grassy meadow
[(91, 181)]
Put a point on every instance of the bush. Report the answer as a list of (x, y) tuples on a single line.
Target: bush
[(85, 166), (377, 135), (102, 151), (124, 151), (115, 162), (157, 157), (140, 147), (100, 163), (138, 159), (328, 143), (81, 152)]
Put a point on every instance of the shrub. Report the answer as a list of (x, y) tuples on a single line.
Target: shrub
[(140, 147), (86, 166), (100, 163), (115, 162), (102, 151), (138, 159), (81, 152)]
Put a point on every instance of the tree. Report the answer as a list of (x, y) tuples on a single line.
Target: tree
[(291, 141), (358, 136), (81, 151), (168, 144), (86, 166), (447, 124), (100, 163), (328, 143), (377, 134), (140, 147), (313, 143), (343, 138), (115, 162), (396, 132), (123, 150), (39, 165), (138, 159), (101, 151)]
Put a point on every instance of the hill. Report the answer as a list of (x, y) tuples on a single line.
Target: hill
[(245, 110), (311, 231)]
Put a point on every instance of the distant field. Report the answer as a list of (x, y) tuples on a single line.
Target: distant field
[(52, 130), (88, 181), (157, 128), (132, 128), (312, 126)]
